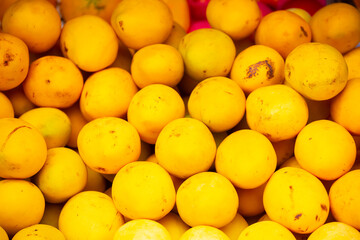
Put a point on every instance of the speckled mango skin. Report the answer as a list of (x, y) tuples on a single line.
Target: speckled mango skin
[(296, 199), (316, 70)]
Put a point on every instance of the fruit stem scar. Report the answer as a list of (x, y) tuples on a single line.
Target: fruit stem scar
[(10, 134)]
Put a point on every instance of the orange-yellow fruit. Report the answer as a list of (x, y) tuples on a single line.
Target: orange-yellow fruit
[(152, 158), (178, 150), (53, 81), (103, 8), (123, 58), (95, 181), (218, 102), (90, 42), (301, 12), (296, 199), (39, 231), (337, 24), (277, 111), (235, 227), (207, 198), (139, 23), (251, 201), (51, 214), (176, 34), (177, 181), (107, 144), (139, 228), (143, 190), (264, 217), (19, 101), (14, 56), (7, 109), (3, 234), (152, 108), (352, 59), (257, 66), (107, 93), (180, 11), (266, 230), (157, 63), (247, 158), (291, 162), (23, 151), (36, 22), (335, 230), (283, 31), (174, 224), (204, 233), (342, 107), (238, 19), (316, 70), (325, 149), (21, 205), (4, 4), (284, 150), (207, 52), (345, 199), (62, 176), (52, 123), (90, 215), (77, 121)]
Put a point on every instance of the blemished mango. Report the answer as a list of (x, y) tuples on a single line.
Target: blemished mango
[(15, 58), (288, 201), (179, 120), (316, 70)]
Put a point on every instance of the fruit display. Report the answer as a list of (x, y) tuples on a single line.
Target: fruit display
[(179, 120)]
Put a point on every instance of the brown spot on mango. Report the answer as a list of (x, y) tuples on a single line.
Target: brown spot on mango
[(121, 25), (100, 169), (252, 70), (297, 216), (303, 31), (324, 207), (8, 58)]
